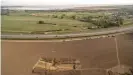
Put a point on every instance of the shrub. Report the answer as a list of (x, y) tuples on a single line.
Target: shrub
[(54, 16), (73, 16), (40, 22), (61, 16)]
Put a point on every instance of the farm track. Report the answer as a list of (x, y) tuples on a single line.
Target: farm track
[(117, 51)]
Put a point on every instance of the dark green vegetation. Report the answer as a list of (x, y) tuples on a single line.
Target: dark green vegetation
[(65, 21)]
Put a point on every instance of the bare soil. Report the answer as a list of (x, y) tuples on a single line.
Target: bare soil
[(18, 58)]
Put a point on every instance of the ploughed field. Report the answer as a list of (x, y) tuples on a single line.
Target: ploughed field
[(18, 58)]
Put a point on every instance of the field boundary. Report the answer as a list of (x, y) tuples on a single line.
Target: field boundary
[(97, 34)]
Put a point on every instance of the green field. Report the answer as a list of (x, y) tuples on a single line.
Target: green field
[(18, 23), (54, 22), (28, 24)]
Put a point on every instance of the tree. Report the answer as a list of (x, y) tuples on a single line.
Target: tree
[(73, 17), (121, 21)]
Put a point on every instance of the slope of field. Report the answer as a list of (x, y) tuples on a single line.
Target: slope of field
[(18, 58)]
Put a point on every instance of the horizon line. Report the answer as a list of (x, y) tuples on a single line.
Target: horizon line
[(71, 5)]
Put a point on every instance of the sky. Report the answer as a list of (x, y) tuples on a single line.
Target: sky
[(64, 2)]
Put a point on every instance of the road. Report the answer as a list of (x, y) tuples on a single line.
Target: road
[(62, 36)]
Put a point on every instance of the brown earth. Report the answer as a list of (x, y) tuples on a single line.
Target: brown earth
[(18, 58)]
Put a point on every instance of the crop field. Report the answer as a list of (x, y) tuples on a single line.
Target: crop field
[(18, 58)]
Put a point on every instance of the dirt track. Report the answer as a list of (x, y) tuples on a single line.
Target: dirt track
[(18, 58)]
